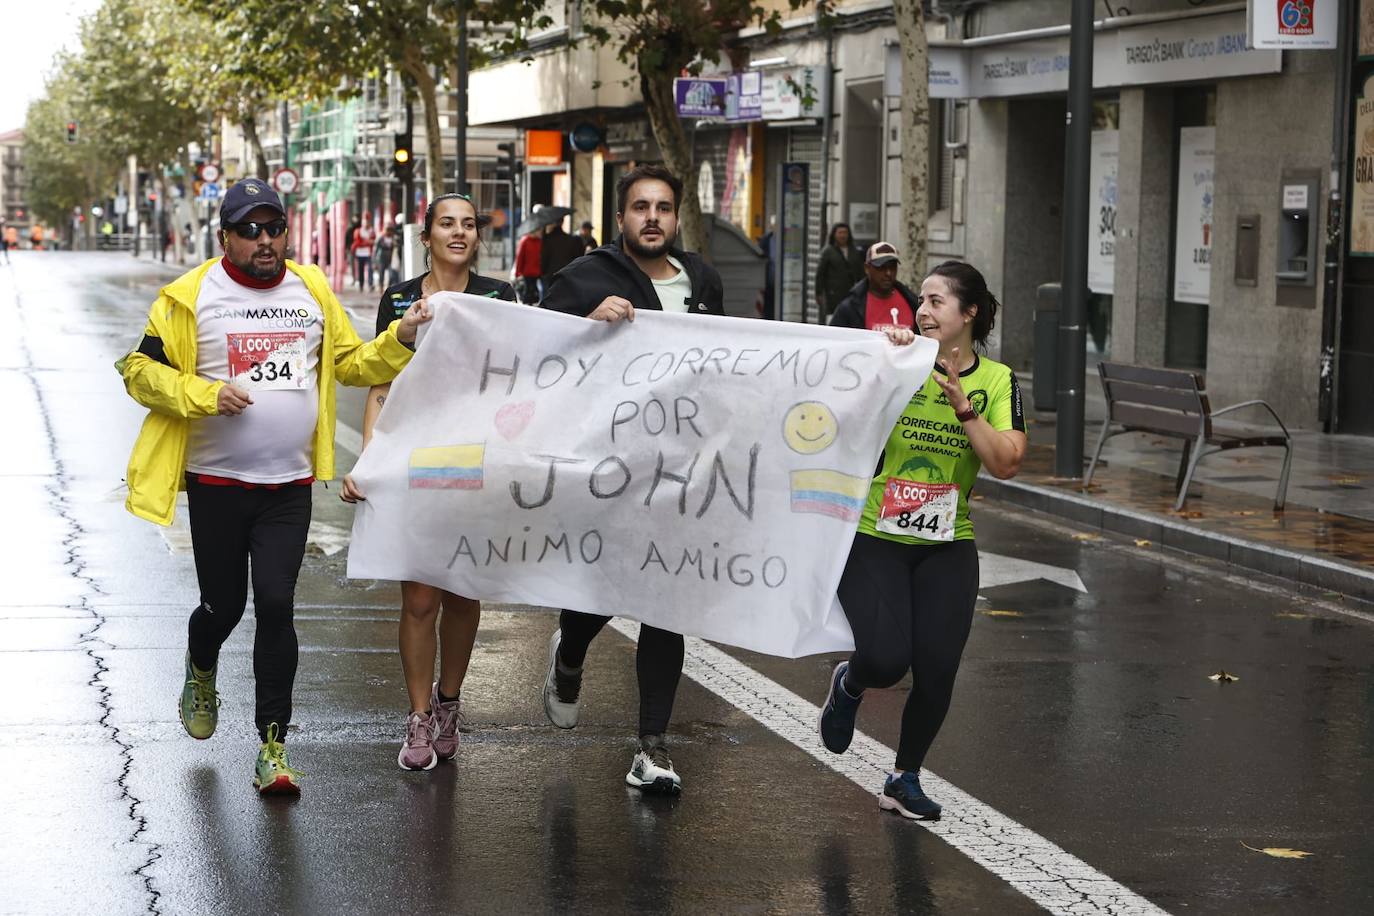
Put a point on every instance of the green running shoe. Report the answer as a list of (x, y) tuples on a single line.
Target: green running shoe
[(199, 702), (273, 773)]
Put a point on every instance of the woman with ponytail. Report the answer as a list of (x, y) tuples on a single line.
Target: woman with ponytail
[(450, 237), (909, 586)]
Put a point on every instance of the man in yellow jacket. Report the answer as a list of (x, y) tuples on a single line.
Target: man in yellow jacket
[(237, 367)]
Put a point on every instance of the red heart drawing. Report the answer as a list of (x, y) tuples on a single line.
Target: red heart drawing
[(512, 419)]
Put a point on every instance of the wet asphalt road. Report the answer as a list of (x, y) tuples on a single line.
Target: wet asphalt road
[(1087, 717)]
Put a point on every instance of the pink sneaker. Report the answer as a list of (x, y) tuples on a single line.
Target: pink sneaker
[(417, 753), (446, 718)]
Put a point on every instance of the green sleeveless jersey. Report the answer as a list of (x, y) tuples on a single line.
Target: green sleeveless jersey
[(920, 491)]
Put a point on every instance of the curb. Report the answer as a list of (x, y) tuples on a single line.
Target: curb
[(1317, 572)]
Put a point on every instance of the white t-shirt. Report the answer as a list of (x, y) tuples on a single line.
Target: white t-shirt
[(266, 341), (674, 294)]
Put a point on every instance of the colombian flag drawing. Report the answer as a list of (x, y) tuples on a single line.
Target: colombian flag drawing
[(447, 467), (829, 493)]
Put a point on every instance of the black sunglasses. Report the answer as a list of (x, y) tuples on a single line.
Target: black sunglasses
[(253, 230)]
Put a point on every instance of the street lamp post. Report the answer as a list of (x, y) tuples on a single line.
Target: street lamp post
[(461, 167), (1068, 452)]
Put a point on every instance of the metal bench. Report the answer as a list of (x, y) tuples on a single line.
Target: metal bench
[(1173, 402)]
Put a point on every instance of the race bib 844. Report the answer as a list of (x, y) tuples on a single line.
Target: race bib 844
[(922, 510)]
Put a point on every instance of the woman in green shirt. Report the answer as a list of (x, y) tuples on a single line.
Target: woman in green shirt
[(909, 586)]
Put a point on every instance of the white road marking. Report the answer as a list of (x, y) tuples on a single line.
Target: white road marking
[(995, 569), (1048, 875)]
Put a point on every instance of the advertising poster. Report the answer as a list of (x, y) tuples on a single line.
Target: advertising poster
[(1293, 23), (1193, 230), (1362, 175), (1102, 199)]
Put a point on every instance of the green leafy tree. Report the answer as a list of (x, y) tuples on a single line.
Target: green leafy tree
[(326, 47), (661, 41), (62, 176)]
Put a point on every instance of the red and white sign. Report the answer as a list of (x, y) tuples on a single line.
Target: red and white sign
[(268, 360), (919, 510), (286, 181), (209, 173), (1292, 24)]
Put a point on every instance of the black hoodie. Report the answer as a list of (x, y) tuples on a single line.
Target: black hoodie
[(851, 310), (608, 271)]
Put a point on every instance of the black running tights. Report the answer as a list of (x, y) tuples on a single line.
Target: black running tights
[(229, 526), (910, 607), (658, 662)]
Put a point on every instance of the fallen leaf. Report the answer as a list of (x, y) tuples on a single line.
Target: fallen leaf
[(1293, 615), (976, 498), (1087, 537), (1190, 513), (991, 612), (1141, 542), (1222, 677), (1278, 852), (1245, 513)]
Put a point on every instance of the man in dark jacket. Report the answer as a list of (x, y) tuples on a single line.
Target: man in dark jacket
[(558, 251), (878, 301), (639, 270)]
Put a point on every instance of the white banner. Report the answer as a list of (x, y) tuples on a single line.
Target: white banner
[(1102, 171), (704, 475), (1193, 230)]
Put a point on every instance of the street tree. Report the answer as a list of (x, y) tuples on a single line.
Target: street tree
[(915, 136), (661, 41), (123, 69), (63, 176), (326, 48)]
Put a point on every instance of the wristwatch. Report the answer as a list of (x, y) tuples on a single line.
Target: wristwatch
[(967, 415)]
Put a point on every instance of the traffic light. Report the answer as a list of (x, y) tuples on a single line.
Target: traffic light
[(506, 166), (403, 159), (71, 131)]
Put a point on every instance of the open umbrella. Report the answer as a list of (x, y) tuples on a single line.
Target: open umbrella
[(544, 216)]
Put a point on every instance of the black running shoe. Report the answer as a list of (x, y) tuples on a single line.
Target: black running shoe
[(836, 723), (904, 795), (561, 690)]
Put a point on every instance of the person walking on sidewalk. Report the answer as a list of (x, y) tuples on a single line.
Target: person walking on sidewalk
[(640, 270), (432, 726), (911, 580), (558, 250), (584, 235), (361, 241), (237, 367), (528, 254)]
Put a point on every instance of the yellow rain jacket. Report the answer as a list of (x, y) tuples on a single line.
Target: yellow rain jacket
[(161, 375)]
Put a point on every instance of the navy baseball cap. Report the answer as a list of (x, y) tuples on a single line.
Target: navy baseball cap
[(246, 196)]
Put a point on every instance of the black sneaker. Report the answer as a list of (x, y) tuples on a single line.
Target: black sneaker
[(836, 723), (561, 689), (904, 795), (652, 770)]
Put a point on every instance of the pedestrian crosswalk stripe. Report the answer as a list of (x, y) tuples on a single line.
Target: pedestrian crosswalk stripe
[(1048, 875)]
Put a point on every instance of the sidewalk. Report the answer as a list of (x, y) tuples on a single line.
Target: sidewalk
[(1324, 537)]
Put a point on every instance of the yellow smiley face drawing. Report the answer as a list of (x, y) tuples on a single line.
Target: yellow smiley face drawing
[(809, 427)]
